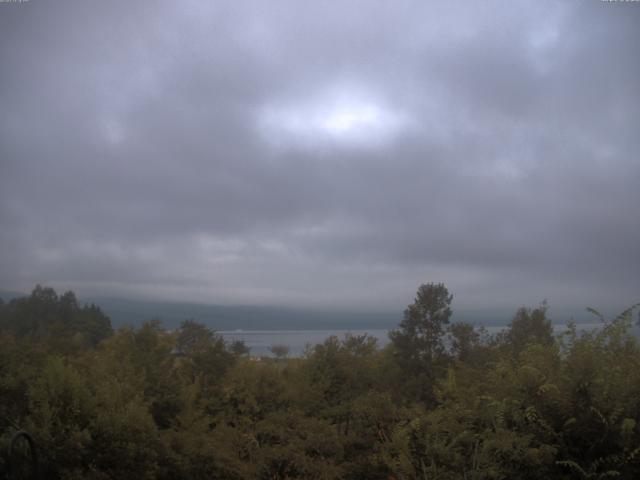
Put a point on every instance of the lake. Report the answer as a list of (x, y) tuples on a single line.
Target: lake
[(260, 341)]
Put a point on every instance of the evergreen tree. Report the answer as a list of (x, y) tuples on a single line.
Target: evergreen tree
[(418, 344)]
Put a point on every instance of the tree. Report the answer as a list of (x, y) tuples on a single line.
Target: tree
[(418, 343), (58, 320), (193, 336), (529, 326), (239, 348), (464, 338), (205, 354), (279, 351)]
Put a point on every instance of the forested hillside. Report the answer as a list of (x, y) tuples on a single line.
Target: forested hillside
[(443, 401)]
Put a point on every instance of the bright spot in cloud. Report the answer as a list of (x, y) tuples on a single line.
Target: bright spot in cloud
[(343, 118), (350, 118)]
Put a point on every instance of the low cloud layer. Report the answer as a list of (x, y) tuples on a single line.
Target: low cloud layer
[(328, 155)]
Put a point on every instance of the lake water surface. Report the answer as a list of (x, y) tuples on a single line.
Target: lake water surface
[(260, 341)]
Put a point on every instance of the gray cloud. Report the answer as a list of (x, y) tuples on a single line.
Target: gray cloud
[(322, 155)]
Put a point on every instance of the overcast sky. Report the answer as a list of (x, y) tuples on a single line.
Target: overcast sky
[(322, 153)]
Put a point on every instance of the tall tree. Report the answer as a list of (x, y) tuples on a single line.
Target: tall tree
[(418, 343), (529, 326)]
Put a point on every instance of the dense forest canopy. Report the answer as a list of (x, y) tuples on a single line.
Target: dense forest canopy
[(443, 400)]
